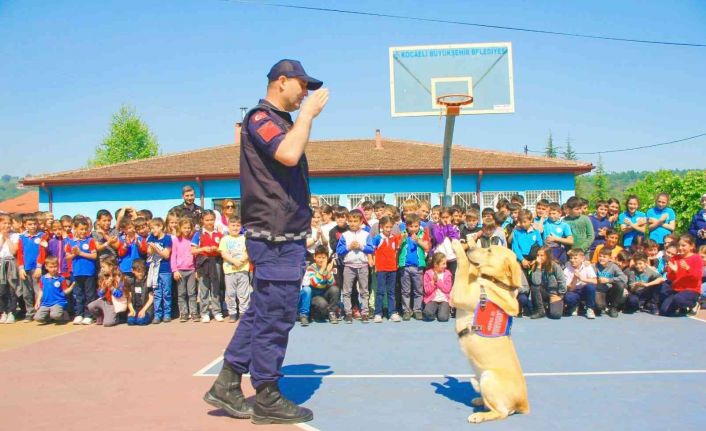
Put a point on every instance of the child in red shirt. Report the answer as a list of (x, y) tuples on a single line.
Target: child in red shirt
[(386, 245), (684, 271)]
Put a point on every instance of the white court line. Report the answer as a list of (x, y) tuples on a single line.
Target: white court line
[(696, 318), (202, 371), (306, 427)]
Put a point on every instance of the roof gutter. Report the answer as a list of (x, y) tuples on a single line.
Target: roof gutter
[(50, 198)]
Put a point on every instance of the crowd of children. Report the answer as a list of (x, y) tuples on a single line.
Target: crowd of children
[(374, 262)]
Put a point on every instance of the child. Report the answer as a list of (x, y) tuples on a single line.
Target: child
[(614, 213), (661, 220), (581, 227), (491, 234), (139, 296), (319, 295), (541, 210), (684, 271), (8, 270), (51, 298), (437, 289), (548, 285), (172, 223), (471, 230), (412, 261), (580, 284), (132, 246), (106, 239), (601, 224), (670, 251), (610, 290), (56, 246), (31, 252), (81, 253), (340, 215), (111, 297), (183, 270), (317, 236), (327, 223), (644, 284), (557, 234), (611, 244), (142, 228), (236, 267), (204, 246), (441, 234), (435, 214), (352, 248), (526, 241), (632, 221), (159, 275), (386, 245)]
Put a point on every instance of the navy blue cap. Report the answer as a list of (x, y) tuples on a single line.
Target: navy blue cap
[(293, 69)]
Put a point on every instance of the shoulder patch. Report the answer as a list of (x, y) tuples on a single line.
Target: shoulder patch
[(268, 131), (259, 116)]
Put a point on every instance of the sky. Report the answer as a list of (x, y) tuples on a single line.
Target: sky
[(187, 66)]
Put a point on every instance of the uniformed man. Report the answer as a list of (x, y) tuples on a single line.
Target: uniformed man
[(274, 191)]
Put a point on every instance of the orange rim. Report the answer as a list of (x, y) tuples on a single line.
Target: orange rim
[(465, 99)]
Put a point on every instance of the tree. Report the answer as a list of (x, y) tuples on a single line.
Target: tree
[(569, 153), (550, 149), (600, 183), (684, 191), (129, 139)]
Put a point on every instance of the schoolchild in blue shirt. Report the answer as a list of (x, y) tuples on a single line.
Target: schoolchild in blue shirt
[(159, 275), (661, 220), (132, 246), (601, 223), (81, 251), (557, 234), (525, 240), (632, 221), (51, 298)]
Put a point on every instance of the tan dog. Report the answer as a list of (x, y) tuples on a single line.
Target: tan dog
[(498, 375)]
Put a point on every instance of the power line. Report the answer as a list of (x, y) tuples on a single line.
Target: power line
[(471, 24), (629, 149)]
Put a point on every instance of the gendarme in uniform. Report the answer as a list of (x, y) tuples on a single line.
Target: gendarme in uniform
[(277, 219)]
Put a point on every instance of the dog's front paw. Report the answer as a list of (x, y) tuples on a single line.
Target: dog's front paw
[(476, 418), (477, 402)]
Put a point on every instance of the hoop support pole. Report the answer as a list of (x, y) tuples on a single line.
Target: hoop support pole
[(448, 141)]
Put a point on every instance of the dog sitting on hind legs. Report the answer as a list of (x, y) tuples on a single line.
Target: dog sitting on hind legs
[(484, 294)]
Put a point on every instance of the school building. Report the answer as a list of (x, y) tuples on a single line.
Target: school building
[(344, 172)]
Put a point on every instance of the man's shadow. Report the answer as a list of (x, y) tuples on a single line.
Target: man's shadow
[(301, 381), (456, 390)]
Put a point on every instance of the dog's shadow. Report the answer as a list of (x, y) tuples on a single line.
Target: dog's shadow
[(459, 391)]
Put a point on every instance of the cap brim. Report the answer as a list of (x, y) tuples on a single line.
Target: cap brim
[(313, 84)]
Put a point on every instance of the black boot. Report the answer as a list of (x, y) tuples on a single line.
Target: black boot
[(227, 395), (272, 408)]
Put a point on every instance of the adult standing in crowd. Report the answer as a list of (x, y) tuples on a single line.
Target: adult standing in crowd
[(274, 191), (697, 228), (188, 208), (661, 220), (228, 209)]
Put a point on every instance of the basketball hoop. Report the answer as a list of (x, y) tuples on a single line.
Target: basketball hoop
[(453, 102)]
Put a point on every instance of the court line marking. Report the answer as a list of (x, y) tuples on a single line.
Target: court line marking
[(697, 318), (202, 371), (306, 427)]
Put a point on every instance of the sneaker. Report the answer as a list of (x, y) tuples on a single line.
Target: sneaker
[(3, 318), (377, 318), (356, 313), (590, 314), (363, 317), (232, 318), (332, 318), (395, 317), (303, 320), (406, 315), (87, 321), (219, 317), (692, 311), (27, 318), (195, 318), (613, 312), (349, 318), (156, 321), (418, 315), (77, 320), (205, 318), (167, 319), (10, 319), (183, 318)]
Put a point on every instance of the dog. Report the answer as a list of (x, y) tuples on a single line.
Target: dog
[(486, 284)]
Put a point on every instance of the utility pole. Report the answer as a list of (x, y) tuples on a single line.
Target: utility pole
[(243, 111)]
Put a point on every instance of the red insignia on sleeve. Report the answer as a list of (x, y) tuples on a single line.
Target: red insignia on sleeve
[(259, 116), (268, 131)]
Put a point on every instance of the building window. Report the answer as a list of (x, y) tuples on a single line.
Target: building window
[(329, 199), (355, 200), (217, 204), (532, 196), (419, 197), (490, 199), (464, 200)]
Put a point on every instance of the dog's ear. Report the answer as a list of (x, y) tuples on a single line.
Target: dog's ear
[(515, 271)]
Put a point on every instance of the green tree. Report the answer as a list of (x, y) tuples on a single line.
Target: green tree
[(684, 191), (600, 183), (569, 153), (129, 139), (550, 149)]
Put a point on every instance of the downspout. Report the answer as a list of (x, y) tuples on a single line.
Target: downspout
[(201, 190), (49, 196), (479, 179)]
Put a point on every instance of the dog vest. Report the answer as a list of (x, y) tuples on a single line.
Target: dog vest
[(489, 319)]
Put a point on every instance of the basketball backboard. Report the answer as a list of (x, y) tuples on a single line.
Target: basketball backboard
[(421, 74)]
